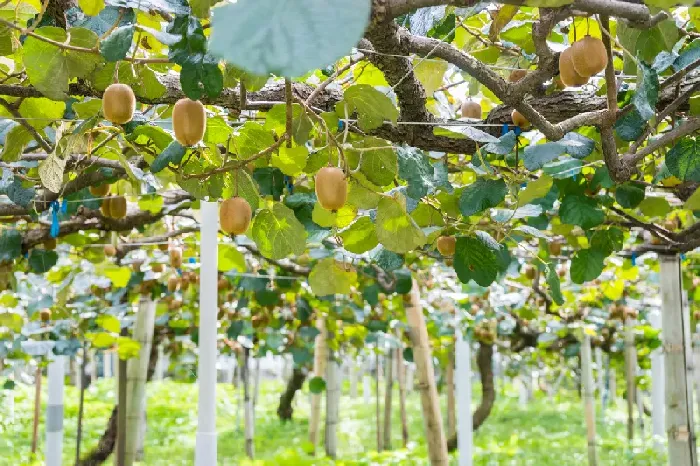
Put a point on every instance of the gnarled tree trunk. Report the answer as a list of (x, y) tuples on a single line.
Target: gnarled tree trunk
[(484, 360), (295, 382)]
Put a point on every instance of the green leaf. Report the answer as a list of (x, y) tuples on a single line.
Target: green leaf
[(629, 195), (535, 190), (419, 173), (430, 73), (201, 75), (554, 284), (175, 7), (689, 56), (264, 36), (229, 258), (647, 94), (40, 260), (693, 202), (577, 209), (233, 75), (118, 275), (91, 7), (481, 195), (102, 22), (15, 142), (317, 385), (252, 138), (171, 156), (330, 277), (241, 184), (109, 323), (41, 112), (290, 161), (538, 155), (655, 207), (278, 233), (378, 161), (395, 229), (607, 241), (10, 245), (152, 203), (501, 19), (116, 45), (371, 105), (101, 339), (630, 125), (270, 181), (360, 236), (51, 171), (475, 260), (276, 120), (683, 160), (504, 146), (587, 265)]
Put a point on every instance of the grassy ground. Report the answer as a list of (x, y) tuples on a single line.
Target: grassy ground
[(544, 433)]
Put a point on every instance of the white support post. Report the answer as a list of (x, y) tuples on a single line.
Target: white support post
[(657, 388), (107, 364), (353, 369), (54, 411), (367, 381), (463, 384), (205, 447), (600, 381), (589, 398), (679, 420)]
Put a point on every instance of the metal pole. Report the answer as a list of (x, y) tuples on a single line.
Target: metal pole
[(463, 384), (54, 411), (658, 410)]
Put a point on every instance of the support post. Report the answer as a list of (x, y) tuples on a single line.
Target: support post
[(600, 381), (657, 388), (463, 385), (54, 410), (205, 447), (679, 421), (332, 406), (589, 398)]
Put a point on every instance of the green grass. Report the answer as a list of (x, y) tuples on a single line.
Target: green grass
[(544, 433)]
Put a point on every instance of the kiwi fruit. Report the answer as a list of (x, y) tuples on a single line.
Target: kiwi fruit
[(176, 258), (235, 215), (173, 284), (157, 267), (99, 191), (589, 56), (136, 266), (117, 207), (106, 207), (567, 73), (189, 121), (118, 103), (530, 272), (222, 284), (45, 315), (519, 120), (110, 250), (471, 109), (555, 248), (516, 75), (446, 245), (50, 244), (164, 247), (331, 188)]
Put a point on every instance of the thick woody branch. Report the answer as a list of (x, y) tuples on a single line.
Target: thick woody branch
[(124, 248), (689, 127), (286, 265)]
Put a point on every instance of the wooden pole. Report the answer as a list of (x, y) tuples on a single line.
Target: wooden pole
[(630, 374), (589, 398), (463, 385), (37, 408), (434, 433), (56, 373), (401, 376), (657, 387), (679, 427)]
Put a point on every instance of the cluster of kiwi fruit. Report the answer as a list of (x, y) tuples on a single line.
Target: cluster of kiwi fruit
[(623, 312), (585, 58), (189, 116), (112, 206), (483, 334)]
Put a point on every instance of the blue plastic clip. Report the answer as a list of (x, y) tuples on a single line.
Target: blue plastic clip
[(518, 130), (192, 260), (341, 125), (634, 258), (682, 256), (289, 184), (504, 129), (64, 207), (55, 226)]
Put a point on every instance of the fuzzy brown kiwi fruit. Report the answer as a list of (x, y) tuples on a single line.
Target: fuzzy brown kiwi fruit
[(331, 188), (446, 245), (519, 120), (106, 207), (118, 103), (189, 121), (176, 258), (471, 109), (99, 191), (157, 267), (117, 207), (235, 215), (164, 247), (530, 272), (555, 248), (45, 315), (516, 75), (50, 244), (110, 250), (589, 56), (136, 266), (567, 73), (222, 284), (173, 284)]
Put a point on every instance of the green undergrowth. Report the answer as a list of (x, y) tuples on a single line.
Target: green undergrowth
[(543, 433)]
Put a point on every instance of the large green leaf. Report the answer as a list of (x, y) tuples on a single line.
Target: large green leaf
[(535, 190), (419, 173), (330, 277), (117, 44), (629, 195), (607, 241), (647, 93), (229, 258), (15, 141), (287, 37), (577, 209), (395, 229), (475, 260), (630, 125), (360, 236), (41, 260), (554, 285), (481, 195), (278, 233), (683, 160), (587, 265), (377, 159), (371, 105), (290, 160), (51, 172), (10, 245), (171, 156)]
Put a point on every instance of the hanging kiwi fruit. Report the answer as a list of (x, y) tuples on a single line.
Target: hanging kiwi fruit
[(331, 188), (516, 75), (446, 245), (50, 244), (157, 267), (471, 109), (530, 272), (99, 191), (189, 121), (173, 284), (519, 120), (110, 251), (118, 103), (175, 257), (106, 207), (235, 215), (589, 56), (45, 315), (117, 207), (567, 73)]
